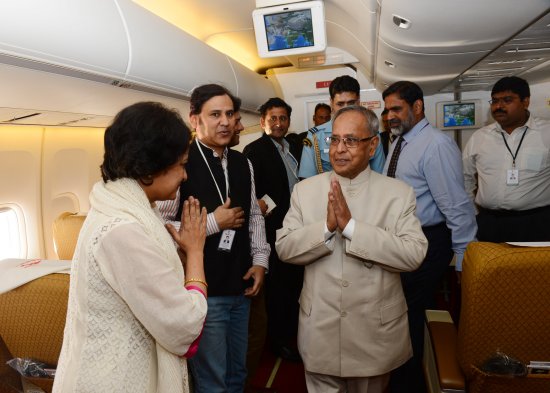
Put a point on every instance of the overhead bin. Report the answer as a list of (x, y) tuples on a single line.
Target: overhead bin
[(84, 35), (166, 57), (120, 43)]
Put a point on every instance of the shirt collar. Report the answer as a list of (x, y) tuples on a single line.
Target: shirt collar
[(359, 179), (284, 147), (415, 130), (224, 156), (530, 123)]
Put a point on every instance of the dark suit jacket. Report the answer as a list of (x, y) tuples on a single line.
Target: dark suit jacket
[(271, 179), (385, 141)]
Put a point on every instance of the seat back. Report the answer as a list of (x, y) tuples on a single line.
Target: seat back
[(66, 228), (506, 308), (32, 320)]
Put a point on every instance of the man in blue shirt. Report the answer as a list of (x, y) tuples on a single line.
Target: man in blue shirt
[(344, 91), (430, 162)]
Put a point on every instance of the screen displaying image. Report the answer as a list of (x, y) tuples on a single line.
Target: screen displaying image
[(459, 115), (287, 30)]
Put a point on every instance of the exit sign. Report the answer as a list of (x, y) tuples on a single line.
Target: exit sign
[(322, 84)]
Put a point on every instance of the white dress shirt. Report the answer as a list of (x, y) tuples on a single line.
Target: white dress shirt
[(487, 157)]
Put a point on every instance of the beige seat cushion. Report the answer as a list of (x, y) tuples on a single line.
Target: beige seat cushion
[(66, 229)]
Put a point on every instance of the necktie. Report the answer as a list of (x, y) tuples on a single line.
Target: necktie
[(394, 157)]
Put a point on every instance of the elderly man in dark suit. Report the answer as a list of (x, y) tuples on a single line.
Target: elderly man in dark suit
[(276, 173)]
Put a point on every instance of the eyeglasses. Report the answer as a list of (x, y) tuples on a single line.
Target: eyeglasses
[(349, 141), (281, 119), (504, 100)]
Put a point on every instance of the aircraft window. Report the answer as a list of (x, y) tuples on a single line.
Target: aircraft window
[(10, 237)]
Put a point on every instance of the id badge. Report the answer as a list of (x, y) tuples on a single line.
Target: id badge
[(512, 177), (326, 151), (226, 241)]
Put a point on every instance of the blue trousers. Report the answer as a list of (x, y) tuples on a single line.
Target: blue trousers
[(220, 363)]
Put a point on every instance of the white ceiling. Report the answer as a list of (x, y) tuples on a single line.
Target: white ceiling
[(448, 45)]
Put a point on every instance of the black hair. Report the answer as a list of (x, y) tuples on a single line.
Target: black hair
[(343, 84), (514, 84), (144, 139), (384, 112), (322, 105), (407, 91), (274, 102), (203, 93)]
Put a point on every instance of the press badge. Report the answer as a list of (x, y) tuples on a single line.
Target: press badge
[(512, 177), (226, 240)]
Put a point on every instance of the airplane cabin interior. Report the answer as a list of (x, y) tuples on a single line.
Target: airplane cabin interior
[(67, 68)]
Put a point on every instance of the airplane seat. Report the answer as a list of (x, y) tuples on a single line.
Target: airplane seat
[(505, 308), (66, 228), (32, 320)]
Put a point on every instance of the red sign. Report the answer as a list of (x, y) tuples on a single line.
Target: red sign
[(372, 104), (322, 84)]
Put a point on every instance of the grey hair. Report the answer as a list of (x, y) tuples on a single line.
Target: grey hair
[(370, 116)]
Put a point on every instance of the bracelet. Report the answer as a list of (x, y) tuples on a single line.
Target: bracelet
[(187, 281), (195, 288)]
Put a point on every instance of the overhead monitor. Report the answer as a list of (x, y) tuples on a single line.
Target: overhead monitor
[(290, 29), (458, 114)]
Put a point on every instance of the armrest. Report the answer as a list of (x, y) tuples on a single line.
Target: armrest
[(443, 337)]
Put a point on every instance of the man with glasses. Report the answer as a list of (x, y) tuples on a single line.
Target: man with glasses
[(508, 163), (429, 161), (354, 230), (344, 91), (276, 173)]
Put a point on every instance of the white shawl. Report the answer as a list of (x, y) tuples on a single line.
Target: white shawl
[(126, 199)]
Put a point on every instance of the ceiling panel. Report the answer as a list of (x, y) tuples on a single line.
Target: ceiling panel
[(526, 54)]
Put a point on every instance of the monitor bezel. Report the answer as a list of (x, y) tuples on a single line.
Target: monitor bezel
[(316, 7), (440, 114)]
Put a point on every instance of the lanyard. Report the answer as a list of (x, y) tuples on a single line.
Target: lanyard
[(517, 150), (224, 166)]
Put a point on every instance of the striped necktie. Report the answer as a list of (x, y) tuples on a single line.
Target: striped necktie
[(394, 157)]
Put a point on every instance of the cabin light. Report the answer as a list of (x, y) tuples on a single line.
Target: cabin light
[(401, 22), (501, 70), (496, 75), (474, 84), (389, 64), (525, 50), (515, 61)]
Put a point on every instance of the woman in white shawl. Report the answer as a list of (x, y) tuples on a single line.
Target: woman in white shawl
[(135, 309)]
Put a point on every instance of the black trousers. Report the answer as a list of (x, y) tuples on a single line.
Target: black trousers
[(283, 287), (500, 226), (419, 288)]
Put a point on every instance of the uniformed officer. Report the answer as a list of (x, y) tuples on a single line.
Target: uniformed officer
[(344, 91)]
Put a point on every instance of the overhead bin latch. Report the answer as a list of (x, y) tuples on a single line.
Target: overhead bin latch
[(401, 22)]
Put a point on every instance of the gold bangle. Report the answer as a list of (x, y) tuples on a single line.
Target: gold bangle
[(189, 280)]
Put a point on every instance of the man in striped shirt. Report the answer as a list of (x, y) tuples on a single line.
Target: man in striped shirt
[(235, 256)]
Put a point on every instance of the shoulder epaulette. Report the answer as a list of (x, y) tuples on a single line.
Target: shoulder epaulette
[(313, 130)]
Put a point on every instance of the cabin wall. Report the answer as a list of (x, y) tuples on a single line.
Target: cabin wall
[(298, 89), (45, 171)]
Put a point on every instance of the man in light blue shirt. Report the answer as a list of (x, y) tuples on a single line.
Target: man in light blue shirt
[(344, 91), (430, 162)]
